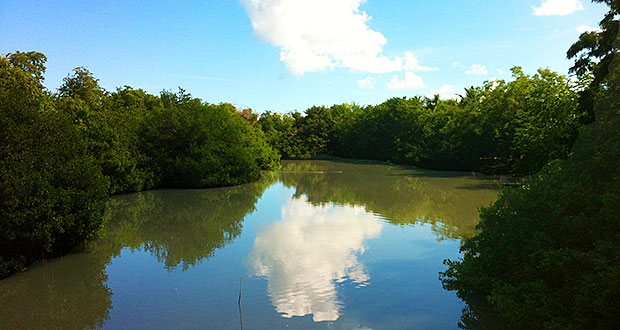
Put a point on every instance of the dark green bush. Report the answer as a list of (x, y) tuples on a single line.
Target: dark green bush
[(547, 256), (52, 193), (191, 144), (109, 122)]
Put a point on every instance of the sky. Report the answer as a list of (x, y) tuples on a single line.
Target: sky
[(286, 55)]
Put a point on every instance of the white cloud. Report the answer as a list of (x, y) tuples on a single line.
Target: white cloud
[(315, 35), (410, 81), (303, 262), (298, 62), (413, 64), (500, 72), (586, 28), (368, 82), (557, 7), (445, 92), (371, 64), (477, 69)]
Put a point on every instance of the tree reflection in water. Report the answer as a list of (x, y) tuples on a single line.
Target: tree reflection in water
[(403, 195), (337, 208), (179, 227)]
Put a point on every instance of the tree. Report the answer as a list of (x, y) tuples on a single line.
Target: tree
[(109, 122), (595, 54), (281, 133), (52, 193), (315, 128), (546, 256), (196, 145), (595, 51), (32, 63)]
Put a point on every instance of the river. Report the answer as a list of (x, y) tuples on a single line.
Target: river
[(318, 245)]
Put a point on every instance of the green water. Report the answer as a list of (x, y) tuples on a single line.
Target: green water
[(321, 244)]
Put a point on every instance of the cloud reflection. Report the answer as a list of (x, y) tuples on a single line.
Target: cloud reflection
[(308, 252)]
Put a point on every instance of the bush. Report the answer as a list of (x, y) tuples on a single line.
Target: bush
[(547, 255), (52, 194), (196, 145), (109, 122)]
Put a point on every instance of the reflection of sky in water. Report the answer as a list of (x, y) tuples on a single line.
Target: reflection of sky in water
[(308, 251), (307, 260)]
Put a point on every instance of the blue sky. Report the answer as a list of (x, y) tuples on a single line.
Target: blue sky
[(285, 55)]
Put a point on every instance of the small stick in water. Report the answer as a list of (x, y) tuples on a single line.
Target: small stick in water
[(240, 290), (239, 303)]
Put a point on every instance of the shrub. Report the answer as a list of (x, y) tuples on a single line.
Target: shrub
[(52, 194)]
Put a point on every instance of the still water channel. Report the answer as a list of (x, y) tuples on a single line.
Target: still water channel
[(319, 245)]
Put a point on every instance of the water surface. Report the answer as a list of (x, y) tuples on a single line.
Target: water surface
[(321, 244)]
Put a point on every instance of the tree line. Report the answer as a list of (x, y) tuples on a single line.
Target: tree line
[(501, 127), (62, 154)]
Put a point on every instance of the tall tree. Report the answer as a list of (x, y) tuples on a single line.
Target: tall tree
[(595, 51), (32, 63)]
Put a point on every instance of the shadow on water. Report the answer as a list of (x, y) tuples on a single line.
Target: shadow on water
[(411, 169), (493, 185)]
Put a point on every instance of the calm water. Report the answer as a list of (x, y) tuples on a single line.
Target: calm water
[(321, 244)]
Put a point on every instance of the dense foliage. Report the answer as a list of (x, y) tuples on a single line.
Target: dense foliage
[(52, 192), (501, 127), (62, 154), (110, 123), (548, 250), (192, 144), (547, 256)]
